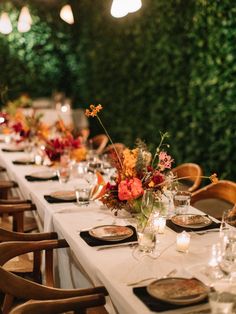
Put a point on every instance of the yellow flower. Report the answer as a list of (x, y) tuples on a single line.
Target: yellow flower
[(214, 178), (94, 110), (130, 161)]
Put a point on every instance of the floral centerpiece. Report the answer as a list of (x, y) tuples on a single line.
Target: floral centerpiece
[(137, 171), (59, 146)]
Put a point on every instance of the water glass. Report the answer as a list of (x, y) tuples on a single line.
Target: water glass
[(147, 203), (182, 202), (83, 195), (63, 174), (221, 302), (146, 236)]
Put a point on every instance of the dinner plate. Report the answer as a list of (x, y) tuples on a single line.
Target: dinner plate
[(24, 161), (64, 195), (111, 232), (191, 221), (178, 290), (43, 174)]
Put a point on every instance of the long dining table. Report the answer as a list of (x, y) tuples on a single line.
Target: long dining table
[(114, 267)]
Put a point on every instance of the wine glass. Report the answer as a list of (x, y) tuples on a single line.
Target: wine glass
[(147, 203)]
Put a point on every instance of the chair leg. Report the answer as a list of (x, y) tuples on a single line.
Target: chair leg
[(7, 304), (18, 222)]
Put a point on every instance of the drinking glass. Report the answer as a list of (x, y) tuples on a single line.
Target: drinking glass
[(182, 202), (63, 174), (228, 260), (221, 302), (83, 195), (228, 217), (146, 238)]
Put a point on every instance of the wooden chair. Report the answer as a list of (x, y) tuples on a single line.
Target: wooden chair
[(24, 265), (20, 222), (16, 209), (191, 174), (99, 143), (214, 198), (14, 286), (118, 146)]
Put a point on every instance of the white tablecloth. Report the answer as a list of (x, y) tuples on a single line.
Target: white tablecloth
[(115, 267)]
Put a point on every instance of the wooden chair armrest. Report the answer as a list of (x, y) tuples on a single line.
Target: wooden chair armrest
[(16, 208), (6, 235), (2, 169), (9, 250), (10, 283), (15, 201), (61, 305), (5, 184)]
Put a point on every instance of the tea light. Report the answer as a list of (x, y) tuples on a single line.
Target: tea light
[(7, 139), (160, 224), (182, 241), (38, 160)]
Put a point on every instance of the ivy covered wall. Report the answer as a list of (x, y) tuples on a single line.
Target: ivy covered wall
[(169, 67)]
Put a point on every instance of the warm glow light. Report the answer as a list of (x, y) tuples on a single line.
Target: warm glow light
[(2, 120), (66, 14), (25, 20), (119, 8), (133, 5), (5, 24)]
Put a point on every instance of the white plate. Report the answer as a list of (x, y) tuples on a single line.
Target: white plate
[(43, 174), (111, 232), (178, 290), (191, 221), (24, 160), (64, 195)]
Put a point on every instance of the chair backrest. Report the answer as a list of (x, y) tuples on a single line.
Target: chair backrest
[(223, 189), (118, 146), (10, 283), (77, 304), (99, 142), (222, 193), (191, 172)]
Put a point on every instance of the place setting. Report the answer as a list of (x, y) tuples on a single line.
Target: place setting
[(46, 175)]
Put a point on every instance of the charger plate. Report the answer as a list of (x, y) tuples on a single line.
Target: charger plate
[(177, 290), (111, 232), (43, 174), (191, 221), (64, 195)]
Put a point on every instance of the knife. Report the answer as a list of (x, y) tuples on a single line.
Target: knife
[(110, 246)]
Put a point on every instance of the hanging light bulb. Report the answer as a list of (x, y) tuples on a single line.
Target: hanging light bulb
[(119, 8), (66, 14), (133, 5), (5, 24), (25, 20)]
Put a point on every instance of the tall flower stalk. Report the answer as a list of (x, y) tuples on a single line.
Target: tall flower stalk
[(93, 112)]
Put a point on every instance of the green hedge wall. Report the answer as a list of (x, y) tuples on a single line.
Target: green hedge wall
[(169, 67)]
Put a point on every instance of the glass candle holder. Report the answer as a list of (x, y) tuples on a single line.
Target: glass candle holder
[(182, 242)]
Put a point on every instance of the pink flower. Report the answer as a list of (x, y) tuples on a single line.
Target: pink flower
[(130, 189), (164, 161)]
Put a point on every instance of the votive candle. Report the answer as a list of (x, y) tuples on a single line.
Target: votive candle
[(38, 160), (183, 241)]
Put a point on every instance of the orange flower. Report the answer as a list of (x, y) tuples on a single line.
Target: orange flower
[(130, 161), (214, 178), (94, 110)]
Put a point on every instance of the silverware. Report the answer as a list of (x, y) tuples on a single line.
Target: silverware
[(207, 231), (172, 272), (110, 246)]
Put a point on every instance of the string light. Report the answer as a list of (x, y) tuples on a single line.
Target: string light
[(121, 8), (5, 24), (25, 20), (66, 14)]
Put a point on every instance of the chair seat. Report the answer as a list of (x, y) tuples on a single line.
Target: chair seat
[(30, 223), (20, 264)]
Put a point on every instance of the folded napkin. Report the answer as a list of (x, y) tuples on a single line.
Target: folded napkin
[(18, 162), (157, 305), (91, 241), (8, 150), (33, 179), (54, 200), (179, 229)]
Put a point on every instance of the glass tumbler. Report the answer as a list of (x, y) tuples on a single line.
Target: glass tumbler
[(182, 202)]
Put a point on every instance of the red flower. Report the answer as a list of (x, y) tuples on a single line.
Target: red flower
[(130, 189)]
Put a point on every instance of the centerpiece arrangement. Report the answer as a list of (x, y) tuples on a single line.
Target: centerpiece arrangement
[(137, 171)]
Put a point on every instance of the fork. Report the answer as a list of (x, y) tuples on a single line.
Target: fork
[(134, 283)]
